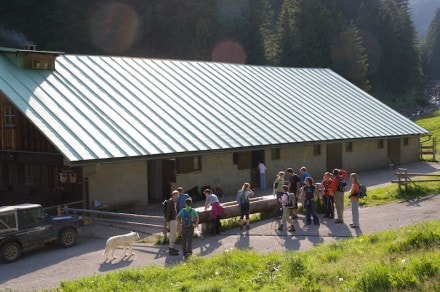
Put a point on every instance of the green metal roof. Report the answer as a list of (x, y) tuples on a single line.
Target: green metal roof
[(95, 107)]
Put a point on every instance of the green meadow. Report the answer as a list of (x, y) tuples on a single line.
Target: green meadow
[(404, 259), (432, 124)]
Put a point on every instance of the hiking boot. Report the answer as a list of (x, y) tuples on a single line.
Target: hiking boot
[(291, 229), (173, 252), (248, 227), (280, 227)]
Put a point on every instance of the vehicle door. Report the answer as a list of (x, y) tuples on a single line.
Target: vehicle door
[(36, 224)]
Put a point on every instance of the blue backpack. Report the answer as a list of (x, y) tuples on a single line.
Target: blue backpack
[(188, 218), (362, 191), (342, 184)]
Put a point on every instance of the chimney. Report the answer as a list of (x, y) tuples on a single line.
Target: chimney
[(30, 47)]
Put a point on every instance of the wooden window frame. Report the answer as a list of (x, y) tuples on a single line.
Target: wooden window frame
[(349, 147), (275, 154), (380, 144), (9, 116), (189, 164), (316, 149)]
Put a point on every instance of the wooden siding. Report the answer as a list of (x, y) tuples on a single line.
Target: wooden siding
[(22, 136)]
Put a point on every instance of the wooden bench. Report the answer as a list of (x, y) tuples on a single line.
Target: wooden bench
[(265, 204)]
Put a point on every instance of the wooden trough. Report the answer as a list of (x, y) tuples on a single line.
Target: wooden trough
[(265, 204)]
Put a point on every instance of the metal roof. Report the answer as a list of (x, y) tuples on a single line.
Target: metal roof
[(96, 107)]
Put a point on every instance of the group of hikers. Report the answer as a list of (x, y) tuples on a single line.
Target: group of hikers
[(181, 219), (290, 190)]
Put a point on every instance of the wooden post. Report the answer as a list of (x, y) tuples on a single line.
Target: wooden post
[(406, 181)]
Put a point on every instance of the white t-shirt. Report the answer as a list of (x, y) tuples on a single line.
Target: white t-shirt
[(262, 167)]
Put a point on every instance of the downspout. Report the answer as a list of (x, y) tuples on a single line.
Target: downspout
[(86, 186)]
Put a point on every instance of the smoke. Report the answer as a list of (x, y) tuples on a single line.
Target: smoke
[(13, 39)]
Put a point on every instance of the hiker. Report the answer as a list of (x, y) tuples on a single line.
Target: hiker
[(180, 205), (170, 219), (337, 189), (310, 194), (304, 175), (278, 192), (327, 196), (294, 187), (243, 195), (187, 218), (286, 201), (217, 210), (354, 192), (262, 170)]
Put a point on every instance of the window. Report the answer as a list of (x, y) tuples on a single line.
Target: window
[(9, 117), (275, 153), (8, 221), (316, 150), (189, 164), (349, 147), (243, 160), (235, 158), (28, 174), (405, 141), (380, 144)]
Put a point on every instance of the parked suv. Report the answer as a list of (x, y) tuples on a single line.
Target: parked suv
[(28, 225)]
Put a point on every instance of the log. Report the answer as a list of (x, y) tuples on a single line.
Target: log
[(232, 209)]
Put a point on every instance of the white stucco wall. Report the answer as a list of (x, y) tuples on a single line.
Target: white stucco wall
[(215, 167), (295, 157), (411, 152), (365, 155), (118, 182), (111, 183)]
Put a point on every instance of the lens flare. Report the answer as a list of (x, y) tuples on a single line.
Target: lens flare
[(114, 27), (229, 52)]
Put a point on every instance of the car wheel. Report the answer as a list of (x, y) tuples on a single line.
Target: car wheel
[(67, 237), (10, 252)]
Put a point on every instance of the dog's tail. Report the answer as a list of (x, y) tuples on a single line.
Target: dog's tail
[(105, 251)]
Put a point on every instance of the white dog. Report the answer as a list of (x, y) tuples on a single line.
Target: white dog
[(124, 240)]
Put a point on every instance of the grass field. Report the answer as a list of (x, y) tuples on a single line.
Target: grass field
[(432, 124), (403, 259)]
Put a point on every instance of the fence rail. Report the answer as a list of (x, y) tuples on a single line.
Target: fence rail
[(404, 178), (100, 216)]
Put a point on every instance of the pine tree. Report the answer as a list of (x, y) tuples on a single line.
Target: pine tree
[(431, 49), (349, 58), (287, 34)]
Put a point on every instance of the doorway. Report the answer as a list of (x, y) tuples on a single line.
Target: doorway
[(334, 156), (161, 173), (394, 151), (257, 157)]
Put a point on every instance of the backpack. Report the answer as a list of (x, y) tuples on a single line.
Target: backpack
[(241, 197), (291, 200), (188, 218), (164, 207), (362, 191), (342, 184)]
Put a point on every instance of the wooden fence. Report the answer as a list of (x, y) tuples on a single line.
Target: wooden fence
[(404, 178)]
